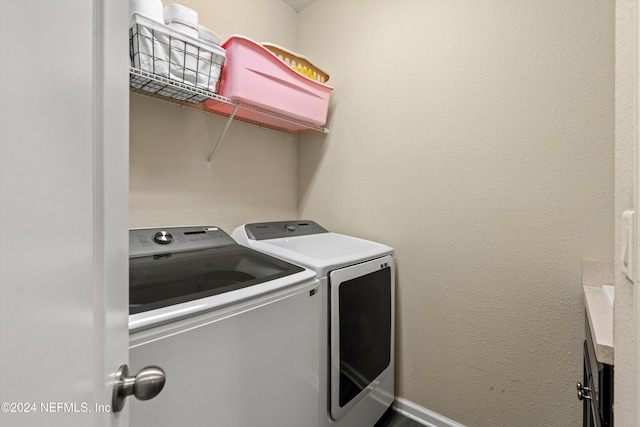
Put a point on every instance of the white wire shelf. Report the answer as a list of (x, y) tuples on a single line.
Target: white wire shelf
[(154, 85), (150, 84)]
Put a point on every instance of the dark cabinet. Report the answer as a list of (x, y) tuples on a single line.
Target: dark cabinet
[(596, 388)]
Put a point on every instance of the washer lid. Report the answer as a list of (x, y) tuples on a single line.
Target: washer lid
[(157, 281), (171, 266)]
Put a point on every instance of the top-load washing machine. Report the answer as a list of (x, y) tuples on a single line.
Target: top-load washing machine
[(356, 289), (235, 330)]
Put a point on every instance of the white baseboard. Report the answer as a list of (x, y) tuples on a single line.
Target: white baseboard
[(422, 415)]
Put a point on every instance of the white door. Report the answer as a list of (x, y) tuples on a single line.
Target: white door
[(636, 276), (63, 210)]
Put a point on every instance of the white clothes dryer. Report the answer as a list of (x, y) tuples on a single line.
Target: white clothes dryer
[(357, 297)]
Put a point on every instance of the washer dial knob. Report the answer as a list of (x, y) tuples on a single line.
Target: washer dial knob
[(163, 238)]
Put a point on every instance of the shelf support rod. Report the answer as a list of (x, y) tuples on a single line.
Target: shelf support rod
[(224, 131)]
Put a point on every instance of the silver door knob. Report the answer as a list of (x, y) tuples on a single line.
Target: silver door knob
[(144, 386), (583, 392)]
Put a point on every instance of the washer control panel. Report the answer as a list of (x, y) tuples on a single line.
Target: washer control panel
[(152, 241), (279, 229)]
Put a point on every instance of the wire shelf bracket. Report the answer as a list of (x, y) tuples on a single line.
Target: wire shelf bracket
[(224, 132)]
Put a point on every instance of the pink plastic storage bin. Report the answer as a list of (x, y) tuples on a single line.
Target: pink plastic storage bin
[(255, 76)]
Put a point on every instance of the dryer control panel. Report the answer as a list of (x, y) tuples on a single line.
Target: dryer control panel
[(279, 229)]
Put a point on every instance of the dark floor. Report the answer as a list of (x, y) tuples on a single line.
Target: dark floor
[(393, 419)]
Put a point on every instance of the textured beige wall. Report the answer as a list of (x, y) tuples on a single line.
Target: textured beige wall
[(626, 116), (254, 174), (477, 139)]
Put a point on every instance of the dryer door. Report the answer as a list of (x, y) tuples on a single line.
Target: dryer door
[(362, 313)]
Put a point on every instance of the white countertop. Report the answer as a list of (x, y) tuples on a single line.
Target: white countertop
[(598, 307), (600, 315)]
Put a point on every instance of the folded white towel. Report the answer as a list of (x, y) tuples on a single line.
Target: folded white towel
[(207, 35), (152, 9), (181, 14), (185, 29)]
